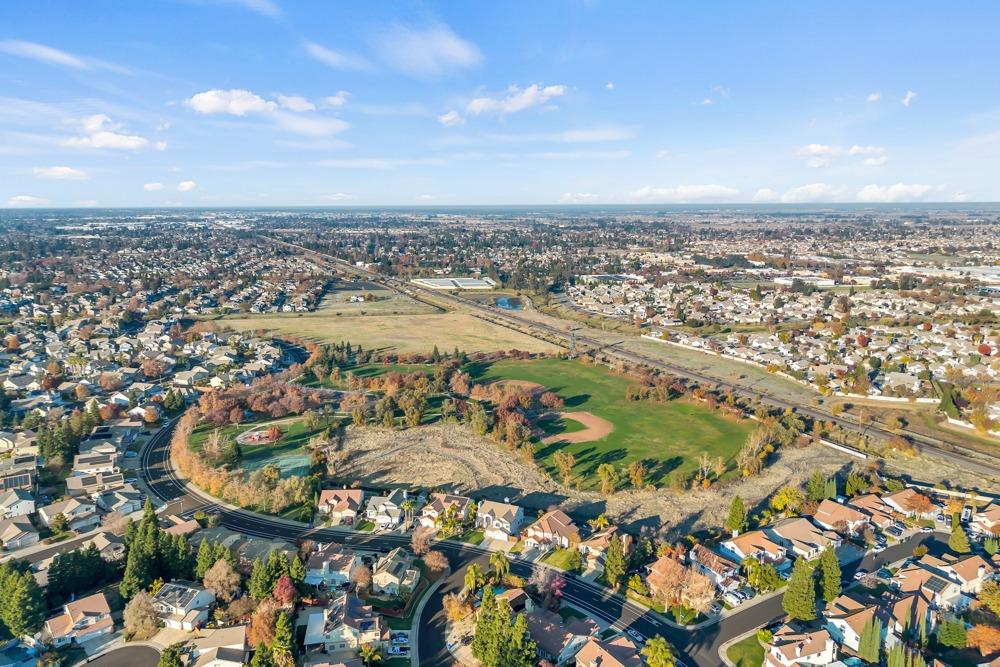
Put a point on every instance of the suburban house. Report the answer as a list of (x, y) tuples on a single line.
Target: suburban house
[(91, 485), (556, 639), (845, 519), (80, 514), (441, 504), (661, 573), (17, 532), (797, 648), (595, 546), (906, 501), (183, 605), (80, 621), (125, 500), (16, 502), (330, 565), (906, 614), (394, 573), (879, 512), (756, 544), (724, 572), (926, 578), (386, 511), (617, 652), (93, 463), (344, 624), (802, 537), (111, 546), (846, 619), (499, 521), (221, 647), (986, 520), (553, 529), (341, 505)]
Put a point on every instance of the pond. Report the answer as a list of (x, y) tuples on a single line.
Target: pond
[(509, 303)]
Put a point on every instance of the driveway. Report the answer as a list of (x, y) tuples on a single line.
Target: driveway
[(129, 656)]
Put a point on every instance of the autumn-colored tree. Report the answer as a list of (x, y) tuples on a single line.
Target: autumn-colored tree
[(919, 503), (986, 638), (140, 617), (436, 561), (420, 542), (362, 577), (262, 622), (284, 590), (222, 580)]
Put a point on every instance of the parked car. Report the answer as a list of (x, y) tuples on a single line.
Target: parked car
[(860, 574), (716, 608), (926, 529), (398, 650), (731, 599), (878, 548), (636, 636)]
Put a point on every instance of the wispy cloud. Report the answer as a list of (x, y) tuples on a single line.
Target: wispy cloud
[(579, 197), (336, 59), (266, 8), (52, 56), (152, 187), (822, 155), (295, 103), (874, 97), (451, 118), (26, 200), (894, 193), (186, 186), (684, 193), (516, 99), (292, 114), (60, 173), (814, 192), (337, 100), (426, 52), (908, 98)]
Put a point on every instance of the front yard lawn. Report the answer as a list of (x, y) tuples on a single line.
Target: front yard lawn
[(564, 559), (746, 652), (471, 537)]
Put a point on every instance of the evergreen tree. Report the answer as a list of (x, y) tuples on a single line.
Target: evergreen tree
[(297, 571), (615, 565), (521, 649), (870, 644), (259, 586), (816, 486), (204, 560), (799, 600), (171, 656), (261, 656), (485, 643), (23, 604), (952, 633), (831, 488), (737, 519), (283, 646), (829, 574), (959, 541), (658, 653)]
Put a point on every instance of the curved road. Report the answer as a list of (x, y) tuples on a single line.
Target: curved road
[(700, 647)]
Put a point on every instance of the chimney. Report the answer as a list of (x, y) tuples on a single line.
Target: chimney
[(798, 649)]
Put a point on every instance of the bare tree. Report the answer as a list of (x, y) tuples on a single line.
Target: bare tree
[(362, 577), (222, 580), (436, 561), (421, 540), (141, 621)]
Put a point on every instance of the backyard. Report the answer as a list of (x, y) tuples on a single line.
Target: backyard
[(665, 436)]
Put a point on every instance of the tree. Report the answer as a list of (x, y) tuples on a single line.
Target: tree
[(952, 633), (959, 541), (870, 644), (762, 577), (283, 647), (171, 656), (829, 574), (658, 652), (296, 570), (637, 472), (990, 596), (284, 590), (564, 464), (262, 622), (222, 580), (436, 561), (986, 638), (609, 478), (362, 577), (737, 520), (23, 605), (141, 621), (421, 540), (615, 565), (261, 656), (816, 486), (500, 564), (473, 577), (799, 600), (787, 499), (369, 654)]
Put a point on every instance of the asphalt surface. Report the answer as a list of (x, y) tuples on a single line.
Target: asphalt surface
[(699, 647), (129, 656)]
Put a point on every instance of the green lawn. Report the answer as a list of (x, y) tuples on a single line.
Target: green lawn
[(666, 436), (370, 371), (471, 537), (289, 453), (747, 652), (564, 559)]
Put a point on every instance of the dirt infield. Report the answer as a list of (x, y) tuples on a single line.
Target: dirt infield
[(519, 385), (595, 428)]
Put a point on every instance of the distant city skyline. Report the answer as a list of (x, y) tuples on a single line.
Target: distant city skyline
[(210, 103)]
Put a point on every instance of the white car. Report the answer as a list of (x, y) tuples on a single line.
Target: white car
[(636, 636), (860, 574)]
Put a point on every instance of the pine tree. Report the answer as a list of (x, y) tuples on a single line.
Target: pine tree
[(615, 565), (297, 571), (23, 605), (485, 641), (171, 657), (261, 656), (283, 646), (204, 559), (816, 486), (259, 586), (829, 574), (952, 633), (799, 600), (831, 488), (521, 649), (737, 519), (959, 541), (870, 643)]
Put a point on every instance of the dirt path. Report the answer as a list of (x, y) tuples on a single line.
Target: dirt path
[(595, 428)]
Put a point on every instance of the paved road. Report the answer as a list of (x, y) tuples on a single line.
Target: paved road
[(947, 450), (129, 656), (699, 647)]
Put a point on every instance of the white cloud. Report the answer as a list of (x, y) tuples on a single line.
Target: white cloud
[(821, 155), (894, 193), (152, 187), (451, 118), (515, 100), (865, 150), (908, 98), (295, 103), (43, 54), (874, 97), (684, 193), (311, 126), (60, 173), (186, 186), (960, 197), (813, 192), (336, 59), (337, 196), (338, 100), (427, 52), (102, 133), (236, 102), (706, 102), (85, 202), (578, 197), (766, 195), (426, 197), (876, 161), (610, 85), (593, 134), (27, 200)]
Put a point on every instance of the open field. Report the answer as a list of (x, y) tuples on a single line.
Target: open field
[(402, 333), (387, 302), (666, 436), (289, 454)]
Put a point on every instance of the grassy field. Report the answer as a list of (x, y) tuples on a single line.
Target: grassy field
[(387, 302), (746, 653), (289, 453), (401, 333), (666, 436), (370, 371)]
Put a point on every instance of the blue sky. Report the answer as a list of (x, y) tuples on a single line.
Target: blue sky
[(275, 102)]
